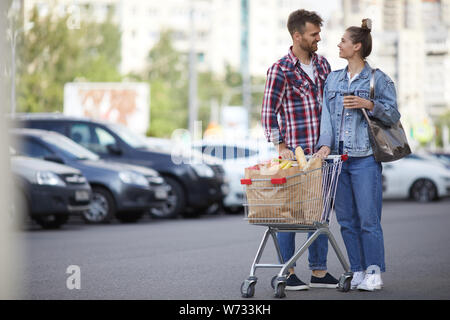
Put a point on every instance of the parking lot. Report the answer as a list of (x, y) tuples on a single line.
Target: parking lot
[(207, 258)]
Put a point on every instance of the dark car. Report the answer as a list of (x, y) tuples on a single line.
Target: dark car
[(48, 192), (194, 187), (119, 190)]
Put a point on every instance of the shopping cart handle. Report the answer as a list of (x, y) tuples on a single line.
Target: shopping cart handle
[(278, 180), (246, 181)]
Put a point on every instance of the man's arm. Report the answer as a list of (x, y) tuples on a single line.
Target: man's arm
[(272, 103)]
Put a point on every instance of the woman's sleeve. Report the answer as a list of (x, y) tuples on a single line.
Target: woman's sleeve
[(326, 129), (385, 101)]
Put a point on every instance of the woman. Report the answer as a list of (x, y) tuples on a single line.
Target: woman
[(343, 130)]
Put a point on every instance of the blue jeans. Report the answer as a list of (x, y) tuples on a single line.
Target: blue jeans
[(358, 211), (317, 251)]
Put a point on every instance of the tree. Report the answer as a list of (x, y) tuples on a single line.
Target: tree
[(168, 81), (52, 54)]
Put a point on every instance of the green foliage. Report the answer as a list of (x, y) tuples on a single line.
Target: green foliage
[(442, 121), (52, 54)]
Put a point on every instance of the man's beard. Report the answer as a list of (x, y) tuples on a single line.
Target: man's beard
[(311, 48)]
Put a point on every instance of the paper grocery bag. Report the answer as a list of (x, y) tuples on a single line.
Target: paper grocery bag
[(273, 203), (311, 195), (298, 201)]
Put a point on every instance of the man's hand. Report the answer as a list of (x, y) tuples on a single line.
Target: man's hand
[(323, 152), (285, 152)]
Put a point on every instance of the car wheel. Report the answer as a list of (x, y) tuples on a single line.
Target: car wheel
[(51, 221), (424, 190), (129, 217), (102, 208), (234, 209), (176, 201)]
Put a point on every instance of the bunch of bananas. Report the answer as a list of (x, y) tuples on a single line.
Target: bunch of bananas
[(286, 164)]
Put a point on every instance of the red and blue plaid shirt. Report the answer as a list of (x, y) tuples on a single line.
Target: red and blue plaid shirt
[(292, 102)]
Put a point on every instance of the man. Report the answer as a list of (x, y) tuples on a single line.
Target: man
[(290, 117)]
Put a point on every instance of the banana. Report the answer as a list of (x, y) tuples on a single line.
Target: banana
[(283, 164), (288, 165)]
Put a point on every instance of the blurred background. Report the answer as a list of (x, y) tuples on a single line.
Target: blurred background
[(199, 57)]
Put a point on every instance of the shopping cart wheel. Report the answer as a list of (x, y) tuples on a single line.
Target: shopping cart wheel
[(279, 284), (272, 282), (248, 287), (345, 282)]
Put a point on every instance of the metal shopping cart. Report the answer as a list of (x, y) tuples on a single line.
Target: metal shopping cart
[(300, 203)]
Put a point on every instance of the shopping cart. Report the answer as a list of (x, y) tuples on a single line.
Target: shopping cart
[(299, 203)]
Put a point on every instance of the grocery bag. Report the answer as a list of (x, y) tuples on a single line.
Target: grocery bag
[(287, 196)]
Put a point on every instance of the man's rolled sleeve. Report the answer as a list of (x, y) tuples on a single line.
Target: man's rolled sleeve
[(272, 104)]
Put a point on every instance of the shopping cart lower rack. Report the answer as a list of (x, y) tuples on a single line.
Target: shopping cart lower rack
[(299, 203)]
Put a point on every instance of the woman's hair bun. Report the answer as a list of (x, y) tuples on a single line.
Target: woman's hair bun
[(367, 24)]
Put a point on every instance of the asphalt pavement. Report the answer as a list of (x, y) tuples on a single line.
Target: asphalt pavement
[(207, 258)]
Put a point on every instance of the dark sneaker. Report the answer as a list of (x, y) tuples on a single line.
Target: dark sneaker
[(295, 284), (326, 282)]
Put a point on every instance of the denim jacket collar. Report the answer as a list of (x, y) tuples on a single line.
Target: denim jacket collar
[(365, 73)]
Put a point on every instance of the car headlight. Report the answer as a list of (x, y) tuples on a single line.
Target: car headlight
[(203, 170), (49, 178), (155, 180), (131, 177)]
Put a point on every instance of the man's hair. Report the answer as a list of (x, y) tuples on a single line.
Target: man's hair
[(297, 20)]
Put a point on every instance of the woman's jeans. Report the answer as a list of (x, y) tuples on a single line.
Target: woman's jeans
[(358, 211)]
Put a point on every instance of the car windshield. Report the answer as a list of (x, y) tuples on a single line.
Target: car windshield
[(131, 138), (70, 148)]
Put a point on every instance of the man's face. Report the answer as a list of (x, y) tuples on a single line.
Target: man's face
[(309, 39)]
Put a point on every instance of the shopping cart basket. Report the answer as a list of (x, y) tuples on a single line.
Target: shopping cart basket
[(299, 203)]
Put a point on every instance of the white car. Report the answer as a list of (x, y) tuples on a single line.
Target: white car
[(236, 156), (418, 177)]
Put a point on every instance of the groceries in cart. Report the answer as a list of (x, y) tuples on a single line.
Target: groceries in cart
[(285, 191)]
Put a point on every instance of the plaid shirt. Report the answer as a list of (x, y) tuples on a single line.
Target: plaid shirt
[(292, 103)]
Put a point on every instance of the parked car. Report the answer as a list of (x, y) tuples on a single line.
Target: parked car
[(47, 192), (415, 177), (236, 156), (194, 186), (443, 156), (119, 190)]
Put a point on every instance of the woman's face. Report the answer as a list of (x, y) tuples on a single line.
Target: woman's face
[(347, 49)]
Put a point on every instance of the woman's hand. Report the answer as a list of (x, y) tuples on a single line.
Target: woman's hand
[(355, 102), (323, 152)]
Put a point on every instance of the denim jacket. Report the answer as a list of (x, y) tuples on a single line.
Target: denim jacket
[(356, 137)]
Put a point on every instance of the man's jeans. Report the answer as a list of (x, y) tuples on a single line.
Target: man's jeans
[(317, 251), (358, 211)]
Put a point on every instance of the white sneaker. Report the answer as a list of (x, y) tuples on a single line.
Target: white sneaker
[(372, 280), (358, 277)]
